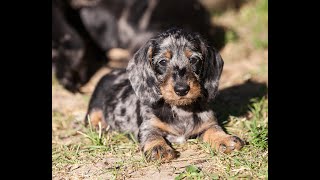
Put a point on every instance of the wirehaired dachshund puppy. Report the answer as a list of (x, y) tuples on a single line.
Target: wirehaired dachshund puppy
[(162, 97)]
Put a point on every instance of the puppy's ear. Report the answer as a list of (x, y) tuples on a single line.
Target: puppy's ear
[(212, 72), (142, 76)]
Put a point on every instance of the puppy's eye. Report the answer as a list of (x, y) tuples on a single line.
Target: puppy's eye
[(163, 62), (193, 60)]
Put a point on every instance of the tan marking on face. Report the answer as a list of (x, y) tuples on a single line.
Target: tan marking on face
[(96, 116), (155, 122), (170, 97), (168, 54), (195, 88), (188, 53)]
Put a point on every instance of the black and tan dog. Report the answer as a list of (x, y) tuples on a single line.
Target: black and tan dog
[(162, 97), (75, 55)]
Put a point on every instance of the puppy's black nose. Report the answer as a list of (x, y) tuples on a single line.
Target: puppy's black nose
[(181, 90)]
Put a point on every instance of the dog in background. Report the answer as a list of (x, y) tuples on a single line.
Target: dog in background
[(84, 31), (162, 97), (75, 56)]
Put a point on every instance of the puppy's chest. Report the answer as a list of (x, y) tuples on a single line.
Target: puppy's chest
[(183, 130), (182, 121)]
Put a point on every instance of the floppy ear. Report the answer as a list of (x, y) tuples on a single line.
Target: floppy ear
[(212, 72), (142, 76)]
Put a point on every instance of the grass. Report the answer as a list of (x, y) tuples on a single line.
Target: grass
[(252, 160), (258, 125), (191, 172), (97, 138), (231, 36), (256, 16), (93, 146), (248, 26)]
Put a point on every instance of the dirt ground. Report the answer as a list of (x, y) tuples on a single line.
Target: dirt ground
[(245, 74)]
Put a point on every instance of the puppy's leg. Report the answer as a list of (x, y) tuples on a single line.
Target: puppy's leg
[(221, 141), (158, 149), (153, 143), (95, 116)]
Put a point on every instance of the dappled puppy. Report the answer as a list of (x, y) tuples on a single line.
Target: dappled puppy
[(162, 97)]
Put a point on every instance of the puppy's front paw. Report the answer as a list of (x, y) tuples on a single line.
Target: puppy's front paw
[(159, 151), (221, 141), (228, 143)]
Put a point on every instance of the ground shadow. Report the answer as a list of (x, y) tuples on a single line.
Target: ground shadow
[(235, 100)]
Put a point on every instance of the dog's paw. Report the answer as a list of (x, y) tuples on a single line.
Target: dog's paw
[(163, 153), (228, 143)]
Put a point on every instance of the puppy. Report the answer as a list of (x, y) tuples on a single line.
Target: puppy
[(75, 56), (129, 24), (162, 97)]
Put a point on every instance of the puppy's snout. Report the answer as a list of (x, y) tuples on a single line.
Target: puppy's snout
[(181, 90)]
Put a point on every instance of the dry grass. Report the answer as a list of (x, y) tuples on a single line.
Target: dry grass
[(87, 153)]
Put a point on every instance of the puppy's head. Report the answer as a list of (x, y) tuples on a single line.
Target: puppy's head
[(178, 66)]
